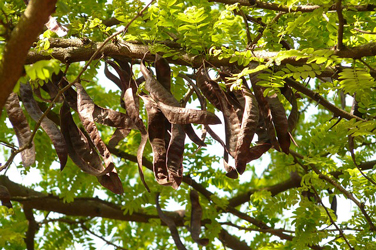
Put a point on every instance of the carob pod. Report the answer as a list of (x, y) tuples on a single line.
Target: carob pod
[(157, 132), (21, 128), (86, 108), (158, 92), (84, 155), (177, 115), (196, 215), (247, 129), (48, 126), (101, 115), (175, 153), (265, 112), (133, 112), (280, 122)]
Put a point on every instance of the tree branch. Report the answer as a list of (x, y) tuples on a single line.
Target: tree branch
[(75, 50), (32, 228), (321, 100), (303, 8), (341, 23), (15, 53)]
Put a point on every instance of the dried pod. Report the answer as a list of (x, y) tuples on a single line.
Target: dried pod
[(196, 219), (248, 128), (159, 93), (86, 108), (293, 118), (119, 135), (157, 132), (265, 111), (84, 155), (257, 151), (280, 122), (175, 155), (133, 112), (178, 115), (206, 87), (163, 71), (48, 126), (21, 128), (79, 149), (101, 115)]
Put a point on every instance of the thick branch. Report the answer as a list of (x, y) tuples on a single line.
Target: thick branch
[(303, 8), (32, 228), (76, 50), (28, 28)]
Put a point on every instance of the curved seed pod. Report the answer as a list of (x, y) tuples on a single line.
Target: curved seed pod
[(101, 115), (163, 71), (156, 132), (179, 115), (196, 219), (158, 92), (294, 114), (5, 197), (86, 158), (203, 82), (188, 129), (79, 149), (85, 110), (231, 171), (247, 130), (264, 111), (257, 151), (171, 225), (175, 155), (21, 128), (156, 89), (48, 126), (132, 111), (119, 135), (112, 182), (280, 122)]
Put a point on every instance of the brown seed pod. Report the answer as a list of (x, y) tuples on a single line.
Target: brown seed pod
[(293, 118), (177, 115), (157, 131), (280, 122), (86, 108), (79, 149), (163, 71), (204, 83), (247, 130), (21, 128), (159, 93), (265, 111), (48, 126), (175, 153), (257, 151), (133, 112), (118, 135), (196, 216), (101, 115)]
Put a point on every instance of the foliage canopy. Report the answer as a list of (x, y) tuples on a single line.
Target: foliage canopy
[(292, 81)]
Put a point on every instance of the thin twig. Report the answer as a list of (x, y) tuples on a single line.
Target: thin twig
[(275, 19), (365, 32), (331, 219), (249, 38), (338, 186), (61, 91), (100, 237), (268, 230)]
